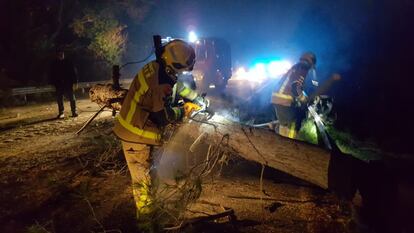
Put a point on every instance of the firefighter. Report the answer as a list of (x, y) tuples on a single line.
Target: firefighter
[(146, 110), (290, 99)]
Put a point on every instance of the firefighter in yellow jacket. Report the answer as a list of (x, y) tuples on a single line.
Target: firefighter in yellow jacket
[(290, 98), (146, 110)]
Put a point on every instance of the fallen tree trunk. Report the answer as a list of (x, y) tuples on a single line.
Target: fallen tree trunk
[(107, 95), (302, 160)]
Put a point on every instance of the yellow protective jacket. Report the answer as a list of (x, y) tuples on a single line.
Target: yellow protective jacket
[(290, 86), (146, 110)]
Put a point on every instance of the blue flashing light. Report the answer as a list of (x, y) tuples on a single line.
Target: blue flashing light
[(192, 37), (269, 69)]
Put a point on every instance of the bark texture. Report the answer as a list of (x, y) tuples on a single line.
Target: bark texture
[(107, 95), (299, 159)]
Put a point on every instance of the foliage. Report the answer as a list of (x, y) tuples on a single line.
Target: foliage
[(348, 144), (345, 142), (103, 26), (34, 31), (173, 200), (105, 33), (308, 131)]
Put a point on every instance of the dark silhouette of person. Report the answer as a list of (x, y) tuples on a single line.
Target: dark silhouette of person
[(63, 76)]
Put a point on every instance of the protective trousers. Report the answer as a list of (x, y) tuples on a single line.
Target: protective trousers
[(140, 160), (290, 119)]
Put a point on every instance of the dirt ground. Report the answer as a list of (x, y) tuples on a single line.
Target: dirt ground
[(53, 180)]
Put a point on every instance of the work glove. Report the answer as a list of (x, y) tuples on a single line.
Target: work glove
[(189, 108), (202, 102), (301, 101)]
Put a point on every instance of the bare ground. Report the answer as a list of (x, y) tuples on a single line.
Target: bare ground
[(55, 181)]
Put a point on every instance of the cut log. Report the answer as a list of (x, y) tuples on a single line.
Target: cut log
[(107, 95), (302, 160)]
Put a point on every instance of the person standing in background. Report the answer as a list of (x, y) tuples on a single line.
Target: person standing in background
[(63, 76)]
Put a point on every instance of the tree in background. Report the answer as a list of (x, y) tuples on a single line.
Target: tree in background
[(103, 25), (93, 32), (105, 34)]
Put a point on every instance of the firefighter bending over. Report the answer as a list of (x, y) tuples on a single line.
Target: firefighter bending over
[(290, 99), (145, 111)]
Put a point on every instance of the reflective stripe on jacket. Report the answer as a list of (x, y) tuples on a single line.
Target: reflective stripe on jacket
[(290, 86), (145, 96)]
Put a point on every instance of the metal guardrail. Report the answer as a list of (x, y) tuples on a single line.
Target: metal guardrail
[(31, 90), (23, 91)]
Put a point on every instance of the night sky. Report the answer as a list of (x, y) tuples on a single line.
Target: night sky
[(267, 29)]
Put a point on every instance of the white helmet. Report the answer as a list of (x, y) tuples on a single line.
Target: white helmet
[(178, 56)]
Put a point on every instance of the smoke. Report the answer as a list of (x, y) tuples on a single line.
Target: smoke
[(175, 156)]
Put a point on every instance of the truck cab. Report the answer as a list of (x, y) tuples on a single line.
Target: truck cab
[(212, 69)]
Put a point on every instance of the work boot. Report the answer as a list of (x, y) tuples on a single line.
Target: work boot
[(74, 115), (60, 116)]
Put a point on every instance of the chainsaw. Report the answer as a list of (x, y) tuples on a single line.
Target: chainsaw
[(198, 110)]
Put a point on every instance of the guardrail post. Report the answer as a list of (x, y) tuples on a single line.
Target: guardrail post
[(115, 76)]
